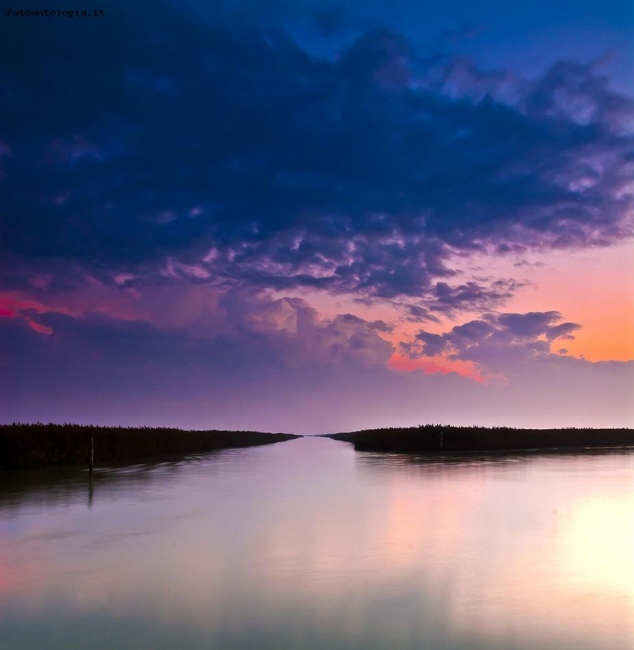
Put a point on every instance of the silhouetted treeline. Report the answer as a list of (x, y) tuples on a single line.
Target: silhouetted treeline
[(434, 437), (32, 445)]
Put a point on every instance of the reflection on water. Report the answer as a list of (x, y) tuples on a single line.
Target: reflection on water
[(306, 544)]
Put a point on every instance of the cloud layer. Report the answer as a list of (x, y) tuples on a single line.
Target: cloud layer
[(496, 342), (223, 152)]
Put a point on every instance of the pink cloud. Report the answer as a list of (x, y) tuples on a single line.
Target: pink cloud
[(432, 366)]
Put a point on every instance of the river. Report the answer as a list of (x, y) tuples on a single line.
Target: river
[(308, 544)]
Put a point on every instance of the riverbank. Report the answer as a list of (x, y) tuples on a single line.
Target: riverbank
[(429, 438), (34, 445)]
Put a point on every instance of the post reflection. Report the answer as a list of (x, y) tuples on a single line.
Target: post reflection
[(91, 489)]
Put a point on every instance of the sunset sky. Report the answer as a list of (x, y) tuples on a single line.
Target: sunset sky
[(318, 215)]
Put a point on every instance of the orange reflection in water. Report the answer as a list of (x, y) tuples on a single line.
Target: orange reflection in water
[(569, 572), (596, 545)]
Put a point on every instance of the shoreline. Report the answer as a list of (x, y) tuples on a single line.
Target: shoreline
[(39, 445), (442, 439)]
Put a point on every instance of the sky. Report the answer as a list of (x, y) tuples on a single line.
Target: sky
[(318, 215)]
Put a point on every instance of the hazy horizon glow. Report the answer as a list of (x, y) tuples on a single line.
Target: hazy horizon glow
[(319, 216)]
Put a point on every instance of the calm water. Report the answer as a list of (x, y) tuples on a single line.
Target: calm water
[(307, 545)]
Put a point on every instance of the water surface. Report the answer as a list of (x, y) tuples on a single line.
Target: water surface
[(307, 544)]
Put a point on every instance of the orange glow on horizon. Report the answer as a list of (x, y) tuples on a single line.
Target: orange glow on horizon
[(593, 287)]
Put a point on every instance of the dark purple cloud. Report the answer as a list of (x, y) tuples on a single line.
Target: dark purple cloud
[(225, 150), (471, 296), (497, 342), (261, 356), (245, 333)]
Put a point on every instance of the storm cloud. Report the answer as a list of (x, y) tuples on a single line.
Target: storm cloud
[(222, 148)]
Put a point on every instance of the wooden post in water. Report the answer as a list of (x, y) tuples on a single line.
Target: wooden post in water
[(91, 462)]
